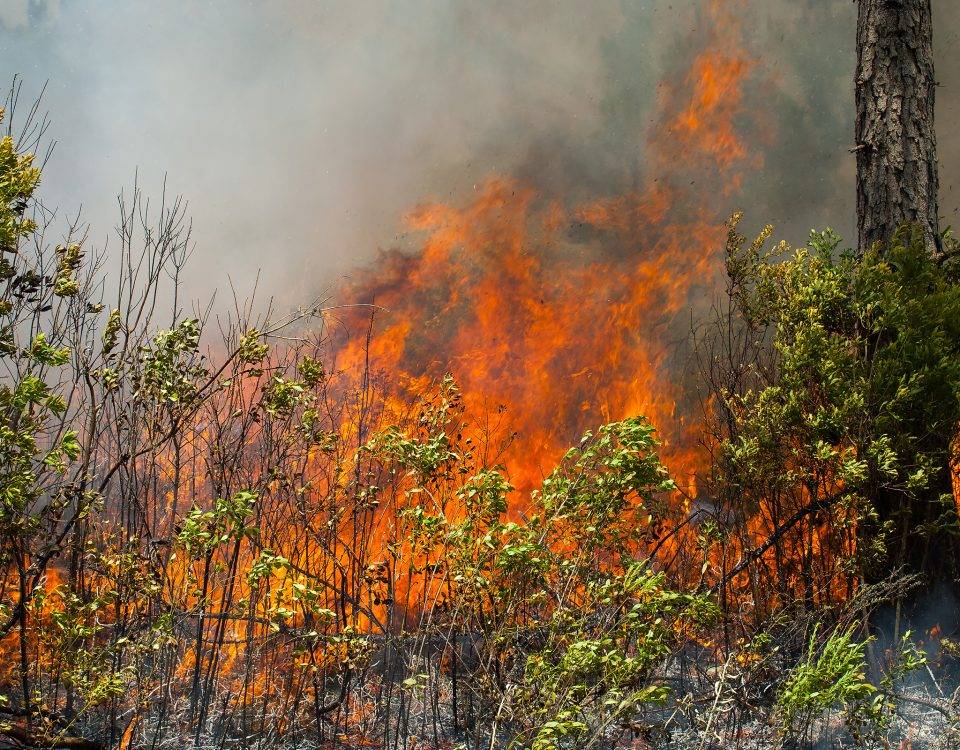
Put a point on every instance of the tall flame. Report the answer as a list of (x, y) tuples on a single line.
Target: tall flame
[(554, 318)]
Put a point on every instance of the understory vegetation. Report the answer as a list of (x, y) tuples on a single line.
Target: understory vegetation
[(211, 536)]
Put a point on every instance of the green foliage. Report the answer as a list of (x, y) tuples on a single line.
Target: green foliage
[(18, 181), (283, 396), (33, 447), (226, 521), (111, 332), (850, 392), (312, 372), (576, 621), (68, 261), (43, 353), (609, 477), (252, 348), (169, 371), (833, 674), (77, 627), (599, 653)]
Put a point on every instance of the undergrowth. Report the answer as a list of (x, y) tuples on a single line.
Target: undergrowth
[(224, 541)]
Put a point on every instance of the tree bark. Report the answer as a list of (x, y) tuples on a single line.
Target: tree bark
[(896, 145)]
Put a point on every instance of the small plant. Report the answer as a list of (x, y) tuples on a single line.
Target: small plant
[(832, 675)]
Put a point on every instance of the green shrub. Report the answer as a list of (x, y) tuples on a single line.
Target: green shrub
[(832, 675)]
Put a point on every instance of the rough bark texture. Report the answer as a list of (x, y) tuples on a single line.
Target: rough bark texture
[(896, 145)]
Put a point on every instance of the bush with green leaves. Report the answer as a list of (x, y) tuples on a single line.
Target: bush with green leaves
[(101, 417), (838, 409), (833, 674), (37, 441), (568, 628)]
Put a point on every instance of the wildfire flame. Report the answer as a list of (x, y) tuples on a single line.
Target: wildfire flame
[(555, 318)]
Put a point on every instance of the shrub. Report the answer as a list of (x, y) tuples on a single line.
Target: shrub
[(832, 675)]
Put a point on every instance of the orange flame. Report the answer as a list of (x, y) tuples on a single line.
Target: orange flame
[(556, 318)]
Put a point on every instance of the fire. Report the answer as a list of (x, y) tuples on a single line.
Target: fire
[(707, 124), (555, 318)]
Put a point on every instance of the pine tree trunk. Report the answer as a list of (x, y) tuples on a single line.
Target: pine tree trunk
[(896, 145)]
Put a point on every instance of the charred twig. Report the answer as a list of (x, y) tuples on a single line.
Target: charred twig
[(758, 552), (66, 742), (951, 717)]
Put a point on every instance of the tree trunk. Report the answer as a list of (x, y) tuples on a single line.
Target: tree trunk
[(896, 145)]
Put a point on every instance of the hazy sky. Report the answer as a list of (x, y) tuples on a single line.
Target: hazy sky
[(300, 132)]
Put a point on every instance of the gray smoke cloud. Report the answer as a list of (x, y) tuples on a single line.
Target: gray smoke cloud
[(301, 131)]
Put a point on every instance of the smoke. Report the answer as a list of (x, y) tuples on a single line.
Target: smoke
[(301, 132)]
